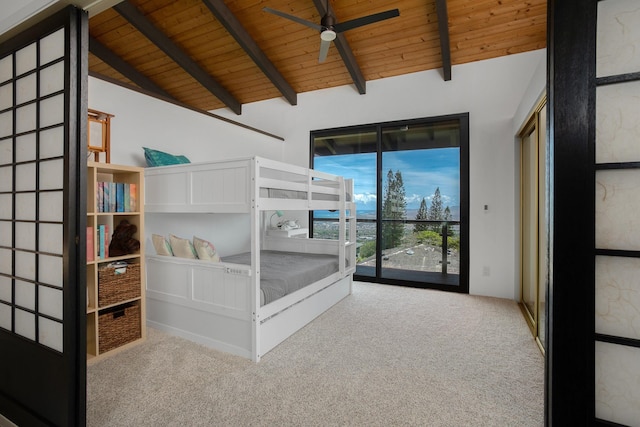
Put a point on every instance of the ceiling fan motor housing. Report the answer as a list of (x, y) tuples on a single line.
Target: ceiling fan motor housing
[(328, 33), (327, 22)]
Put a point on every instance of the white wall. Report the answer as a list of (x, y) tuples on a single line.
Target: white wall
[(14, 12), (535, 90), (143, 121), (491, 91)]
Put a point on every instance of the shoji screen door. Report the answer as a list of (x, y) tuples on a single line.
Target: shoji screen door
[(617, 227), (593, 355), (42, 271)]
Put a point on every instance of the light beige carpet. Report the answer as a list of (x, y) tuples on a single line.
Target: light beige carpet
[(384, 356)]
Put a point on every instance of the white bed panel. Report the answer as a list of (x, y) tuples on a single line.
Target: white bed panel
[(199, 187), (166, 191), (219, 187), (210, 329), (216, 287), (201, 285), (164, 279)]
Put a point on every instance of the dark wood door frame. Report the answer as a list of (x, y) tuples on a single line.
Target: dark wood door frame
[(570, 352)]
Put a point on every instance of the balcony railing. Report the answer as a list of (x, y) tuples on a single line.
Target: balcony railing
[(436, 237)]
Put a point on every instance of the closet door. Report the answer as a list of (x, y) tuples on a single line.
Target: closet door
[(543, 226), (42, 214), (529, 224), (534, 221)]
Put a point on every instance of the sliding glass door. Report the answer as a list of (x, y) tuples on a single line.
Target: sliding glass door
[(411, 194)]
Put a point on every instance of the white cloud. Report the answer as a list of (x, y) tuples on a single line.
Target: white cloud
[(414, 198), (365, 198)]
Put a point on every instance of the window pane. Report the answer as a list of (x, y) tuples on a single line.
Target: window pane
[(362, 168), (407, 178), (421, 202)]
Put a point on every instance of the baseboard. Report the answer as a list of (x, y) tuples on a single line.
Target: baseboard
[(200, 339)]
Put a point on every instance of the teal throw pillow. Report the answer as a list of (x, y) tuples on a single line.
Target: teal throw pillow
[(160, 158)]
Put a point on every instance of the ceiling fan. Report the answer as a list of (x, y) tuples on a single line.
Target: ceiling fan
[(329, 28)]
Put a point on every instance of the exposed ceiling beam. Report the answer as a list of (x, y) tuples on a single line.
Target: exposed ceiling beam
[(233, 26), (157, 37), (345, 51), (443, 29), (124, 68)]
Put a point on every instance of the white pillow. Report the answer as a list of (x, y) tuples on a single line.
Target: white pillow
[(163, 247), (182, 247), (205, 250)]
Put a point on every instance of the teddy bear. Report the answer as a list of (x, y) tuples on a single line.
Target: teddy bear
[(122, 242)]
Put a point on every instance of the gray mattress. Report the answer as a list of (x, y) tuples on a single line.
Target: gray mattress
[(282, 273)]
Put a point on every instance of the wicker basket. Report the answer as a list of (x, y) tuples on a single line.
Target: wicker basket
[(118, 326), (114, 288)]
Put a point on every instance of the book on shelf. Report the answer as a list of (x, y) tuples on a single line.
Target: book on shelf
[(133, 197), (116, 197), (100, 197), (91, 249), (105, 197), (101, 241), (119, 196), (127, 197), (112, 197), (106, 241)]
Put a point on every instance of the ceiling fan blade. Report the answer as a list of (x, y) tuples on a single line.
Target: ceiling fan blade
[(294, 18), (324, 49), (365, 20)]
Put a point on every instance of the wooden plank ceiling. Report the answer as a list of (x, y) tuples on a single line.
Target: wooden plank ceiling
[(210, 54)]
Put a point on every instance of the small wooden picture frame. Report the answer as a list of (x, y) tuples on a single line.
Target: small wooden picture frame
[(99, 135)]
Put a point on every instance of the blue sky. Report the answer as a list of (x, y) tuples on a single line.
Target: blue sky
[(422, 172)]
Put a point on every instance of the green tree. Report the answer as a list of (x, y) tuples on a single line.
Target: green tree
[(447, 214), (447, 217), (366, 250), (422, 214), (394, 207), (435, 210), (431, 238)]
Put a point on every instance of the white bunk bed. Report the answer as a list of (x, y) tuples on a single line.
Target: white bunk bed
[(218, 304)]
